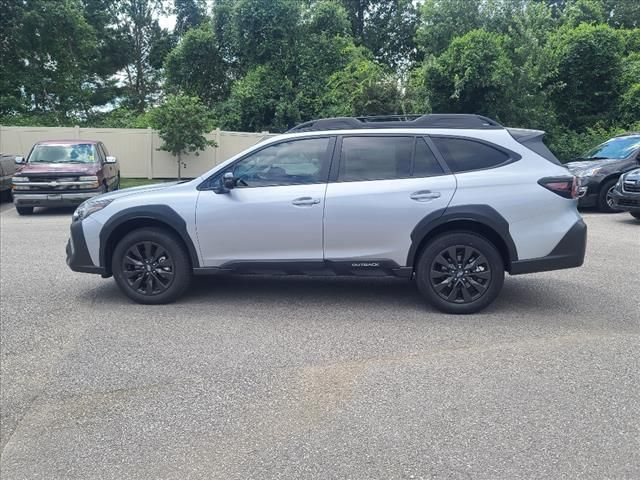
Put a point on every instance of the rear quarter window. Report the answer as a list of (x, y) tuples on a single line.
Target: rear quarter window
[(463, 155)]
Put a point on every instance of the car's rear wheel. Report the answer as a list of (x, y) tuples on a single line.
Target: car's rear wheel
[(605, 198), (151, 266), (635, 215), (24, 210), (460, 272)]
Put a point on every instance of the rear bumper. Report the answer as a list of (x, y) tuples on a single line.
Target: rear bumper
[(52, 199), (78, 258), (569, 253)]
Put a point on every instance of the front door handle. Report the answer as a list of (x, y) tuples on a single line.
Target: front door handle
[(305, 201), (424, 195)]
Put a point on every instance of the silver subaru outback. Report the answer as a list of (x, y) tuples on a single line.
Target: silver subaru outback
[(450, 201)]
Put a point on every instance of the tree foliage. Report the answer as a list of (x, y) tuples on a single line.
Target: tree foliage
[(571, 67), (181, 122)]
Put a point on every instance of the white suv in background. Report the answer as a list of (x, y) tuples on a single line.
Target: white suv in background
[(453, 201)]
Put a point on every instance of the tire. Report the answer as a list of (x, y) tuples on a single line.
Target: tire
[(604, 204), (117, 185), (475, 288), (24, 210), (635, 215), (151, 266)]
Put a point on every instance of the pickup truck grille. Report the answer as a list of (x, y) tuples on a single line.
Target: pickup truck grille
[(51, 183)]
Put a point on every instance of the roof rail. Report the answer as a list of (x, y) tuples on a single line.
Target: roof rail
[(431, 120)]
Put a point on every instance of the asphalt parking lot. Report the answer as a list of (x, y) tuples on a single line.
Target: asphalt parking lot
[(255, 377)]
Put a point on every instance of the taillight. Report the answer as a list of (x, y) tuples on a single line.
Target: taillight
[(566, 187)]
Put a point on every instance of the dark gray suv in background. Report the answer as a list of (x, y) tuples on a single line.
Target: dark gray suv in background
[(600, 168)]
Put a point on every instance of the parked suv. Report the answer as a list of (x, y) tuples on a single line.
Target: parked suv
[(63, 173), (7, 170), (626, 194), (453, 201), (600, 168)]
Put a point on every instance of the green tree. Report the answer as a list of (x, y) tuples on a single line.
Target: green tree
[(587, 76), (189, 14), (147, 45), (471, 76), (257, 32), (264, 99), (197, 66), (362, 87), (47, 54), (443, 20), (181, 122), (323, 49)]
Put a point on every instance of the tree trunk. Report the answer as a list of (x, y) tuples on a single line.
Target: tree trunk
[(179, 166)]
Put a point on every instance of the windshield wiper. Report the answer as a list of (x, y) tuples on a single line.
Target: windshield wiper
[(598, 158)]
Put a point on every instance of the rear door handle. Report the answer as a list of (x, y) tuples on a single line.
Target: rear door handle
[(424, 195), (305, 201)]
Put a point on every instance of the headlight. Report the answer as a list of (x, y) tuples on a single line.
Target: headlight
[(590, 172), (89, 207), (89, 178), (20, 179)]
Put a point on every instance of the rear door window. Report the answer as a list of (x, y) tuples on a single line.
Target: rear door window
[(375, 158), (425, 163), (463, 155)]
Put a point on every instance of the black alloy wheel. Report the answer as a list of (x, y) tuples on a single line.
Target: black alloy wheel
[(148, 268), (151, 266), (460, 274)]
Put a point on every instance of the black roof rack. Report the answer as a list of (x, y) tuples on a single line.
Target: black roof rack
[(431, 120)]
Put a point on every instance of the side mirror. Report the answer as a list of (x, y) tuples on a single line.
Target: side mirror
[(19, 160), (110, 159), (228, 181)]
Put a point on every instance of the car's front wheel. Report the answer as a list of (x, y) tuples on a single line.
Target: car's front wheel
[(605, 197), (460, 272), (151, 266)]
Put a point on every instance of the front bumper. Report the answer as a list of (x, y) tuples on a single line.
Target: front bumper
[(629, 202), (60, 199), (568, 253), (78, 257), (588, 191)]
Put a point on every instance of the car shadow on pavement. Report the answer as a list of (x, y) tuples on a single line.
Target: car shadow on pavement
[(537, 296)]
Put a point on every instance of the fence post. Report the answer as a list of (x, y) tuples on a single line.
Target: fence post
[(216, 139), (150, 158)]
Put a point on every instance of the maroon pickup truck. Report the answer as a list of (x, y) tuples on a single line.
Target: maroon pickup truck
[(63, 173)]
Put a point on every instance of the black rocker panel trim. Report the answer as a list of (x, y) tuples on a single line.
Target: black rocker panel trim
[(568, 253), (356, 267), (482, 214), (159, 213)]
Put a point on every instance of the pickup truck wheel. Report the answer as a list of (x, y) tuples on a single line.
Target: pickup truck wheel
[(460, 272), (24, 210), (151, 266)]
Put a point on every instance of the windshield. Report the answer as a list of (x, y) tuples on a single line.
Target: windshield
[(64, 153), (616, 148)]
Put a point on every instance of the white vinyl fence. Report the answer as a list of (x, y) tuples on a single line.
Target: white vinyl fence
[(136, 149)]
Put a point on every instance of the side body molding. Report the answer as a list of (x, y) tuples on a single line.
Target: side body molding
[(481, 214), (157, 213)]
